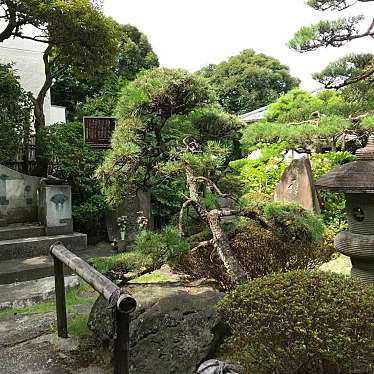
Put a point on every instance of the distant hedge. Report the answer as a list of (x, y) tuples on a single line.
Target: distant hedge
[(301, 322)]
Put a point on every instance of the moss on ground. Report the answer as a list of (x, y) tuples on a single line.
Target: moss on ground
[(81, 295), (339, 264), (154, 277)]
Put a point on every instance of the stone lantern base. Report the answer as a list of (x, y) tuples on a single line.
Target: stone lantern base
[(360, 248)]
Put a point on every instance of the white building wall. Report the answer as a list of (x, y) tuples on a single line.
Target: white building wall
[(57, 114), (27, 59)]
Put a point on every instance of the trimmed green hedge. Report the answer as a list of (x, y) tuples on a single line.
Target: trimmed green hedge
[(301, 322)]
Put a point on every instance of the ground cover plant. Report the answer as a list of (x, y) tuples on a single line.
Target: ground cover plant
[(300, 322)]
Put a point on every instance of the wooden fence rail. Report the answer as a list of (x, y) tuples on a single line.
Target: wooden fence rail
[(121, 303)]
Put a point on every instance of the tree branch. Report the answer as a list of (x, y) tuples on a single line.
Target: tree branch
[(203, 244), (181, 214)]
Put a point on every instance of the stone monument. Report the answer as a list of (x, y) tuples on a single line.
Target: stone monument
[(296, 185)]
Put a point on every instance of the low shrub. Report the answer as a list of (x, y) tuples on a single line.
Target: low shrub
[(260, 251), (292, 222), (301, 322), (150, 252)]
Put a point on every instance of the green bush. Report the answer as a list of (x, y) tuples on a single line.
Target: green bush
[(292, 222), (261, 175), (69, 158), (332, 204), (260, 252), (150, 252), (15, 114), (301, 322), (165, 246)]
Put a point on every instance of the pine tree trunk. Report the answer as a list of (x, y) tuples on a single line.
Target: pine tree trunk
[(212, 219)]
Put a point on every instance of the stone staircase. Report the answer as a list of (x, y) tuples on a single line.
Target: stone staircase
[(24, 251)]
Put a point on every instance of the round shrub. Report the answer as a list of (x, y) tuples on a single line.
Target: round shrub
[(301, 322)]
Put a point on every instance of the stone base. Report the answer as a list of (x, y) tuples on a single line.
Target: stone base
[(360, 248)]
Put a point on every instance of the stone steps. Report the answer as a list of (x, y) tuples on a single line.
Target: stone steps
[(26, 269), (21, 231), (38, 246)]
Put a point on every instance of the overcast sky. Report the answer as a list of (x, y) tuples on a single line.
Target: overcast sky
[(194, 33)]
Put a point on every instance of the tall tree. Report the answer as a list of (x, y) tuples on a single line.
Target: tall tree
[(336, 33), (134, 54), (248, 81), (77, 35), (15, 114), (171, 128)]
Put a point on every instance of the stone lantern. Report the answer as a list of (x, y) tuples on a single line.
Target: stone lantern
[(356, 180)]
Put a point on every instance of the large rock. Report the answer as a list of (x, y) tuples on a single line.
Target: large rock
[(297, 185), (173, 330)]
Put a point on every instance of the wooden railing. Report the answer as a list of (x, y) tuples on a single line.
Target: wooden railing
[(121, 303)]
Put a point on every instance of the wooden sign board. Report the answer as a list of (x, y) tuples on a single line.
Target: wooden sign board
[(97, 131)]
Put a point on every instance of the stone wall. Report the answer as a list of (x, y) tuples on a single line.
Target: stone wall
[(18, 197)]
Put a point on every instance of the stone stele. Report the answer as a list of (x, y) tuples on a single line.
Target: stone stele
[(18, 196), (296, 185)]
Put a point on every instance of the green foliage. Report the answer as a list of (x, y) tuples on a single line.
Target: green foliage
[(348, 69), (15, 114), (332, 4), (248, 81), (317, 133), (298, 105), (262, 175), (260, 252), (334, 33), (292, 222), (151, 250), (300, 322), (99, 95), (104, 102), (163, 247), (159, 113), (135, 53), (332, 204), (71, 159)]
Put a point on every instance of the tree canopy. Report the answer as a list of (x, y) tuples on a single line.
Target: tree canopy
[(15, 113), (302, 120), (336, 33), (248, 81), (72, 90), (349, 69), (156, 113)]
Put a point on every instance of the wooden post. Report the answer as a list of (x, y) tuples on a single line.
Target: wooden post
[(62, 328), (121, 342)]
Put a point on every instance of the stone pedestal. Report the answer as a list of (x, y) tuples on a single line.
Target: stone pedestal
[(55, 208)]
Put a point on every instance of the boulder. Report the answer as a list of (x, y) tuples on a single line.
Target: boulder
[(173, 330)]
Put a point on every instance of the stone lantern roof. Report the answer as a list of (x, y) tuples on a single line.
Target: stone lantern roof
[(353, 177)]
